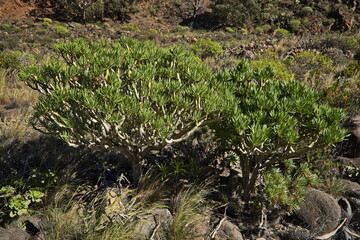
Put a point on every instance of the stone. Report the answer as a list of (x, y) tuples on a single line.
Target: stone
[(155, 221), (13, 234), (320, 212), (228, 231)]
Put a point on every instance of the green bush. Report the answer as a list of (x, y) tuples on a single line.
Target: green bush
[(205, 47), (282, 32), (279, 68), (266, 28), (286, 188), (273, 121), (48, 20), (295, 25), (259, 30), (307, 9), (230, 30), (132, 27), (10, 59), (314, 69), (62, 31), (127, 96)]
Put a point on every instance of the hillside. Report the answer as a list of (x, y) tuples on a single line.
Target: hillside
[(235, 112)]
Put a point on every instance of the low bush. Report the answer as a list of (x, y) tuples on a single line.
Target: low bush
[(205, 47)]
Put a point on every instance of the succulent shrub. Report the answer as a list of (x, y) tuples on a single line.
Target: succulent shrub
[(127, 96), (286, 187), (273, 120), (295, 24), (277, 65), (313, 68), (205, 47)]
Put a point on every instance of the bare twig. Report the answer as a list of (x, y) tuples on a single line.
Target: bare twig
[(332, 233), (213, 234)]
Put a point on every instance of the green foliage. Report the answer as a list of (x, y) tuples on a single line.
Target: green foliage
[(62, 31), (295, 24), (10, 59), (259, 30), (282, 32), (266, 28), (273, 121), (230, 30), (128, 96), (287, 187), (279, 68), (205, 47), (234, 12), (47, 20), (307, 9), (132, 27), (16, 195), (313, 68), (352, 69)]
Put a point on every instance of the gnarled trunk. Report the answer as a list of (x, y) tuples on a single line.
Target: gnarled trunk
[(137, 171)]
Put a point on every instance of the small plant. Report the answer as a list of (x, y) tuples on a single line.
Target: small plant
[(46, 24), (131, 27), (48, 20), (152, 33), (295, 25), (230, 30), (153, 10), (17, 195), (307, 9), (180, 29), (277, 66), (287, 187), (62, 31), (282, 32), (10, 59), (259, 30), (205, 47), (266, 28)]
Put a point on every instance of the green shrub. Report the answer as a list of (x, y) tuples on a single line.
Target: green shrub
[(282, 32), (132, 27), (229, 30), (295, 25), (180, 29), (273, 121), (259, 30), (46, 24), (62, 31), (279, 68), (152, 33), (205, 47), (352, 69), (286, 188), (266, 28), (5, 26), (48, 20), (313, 68), (10, 59), (307, 9), (145, 97)]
